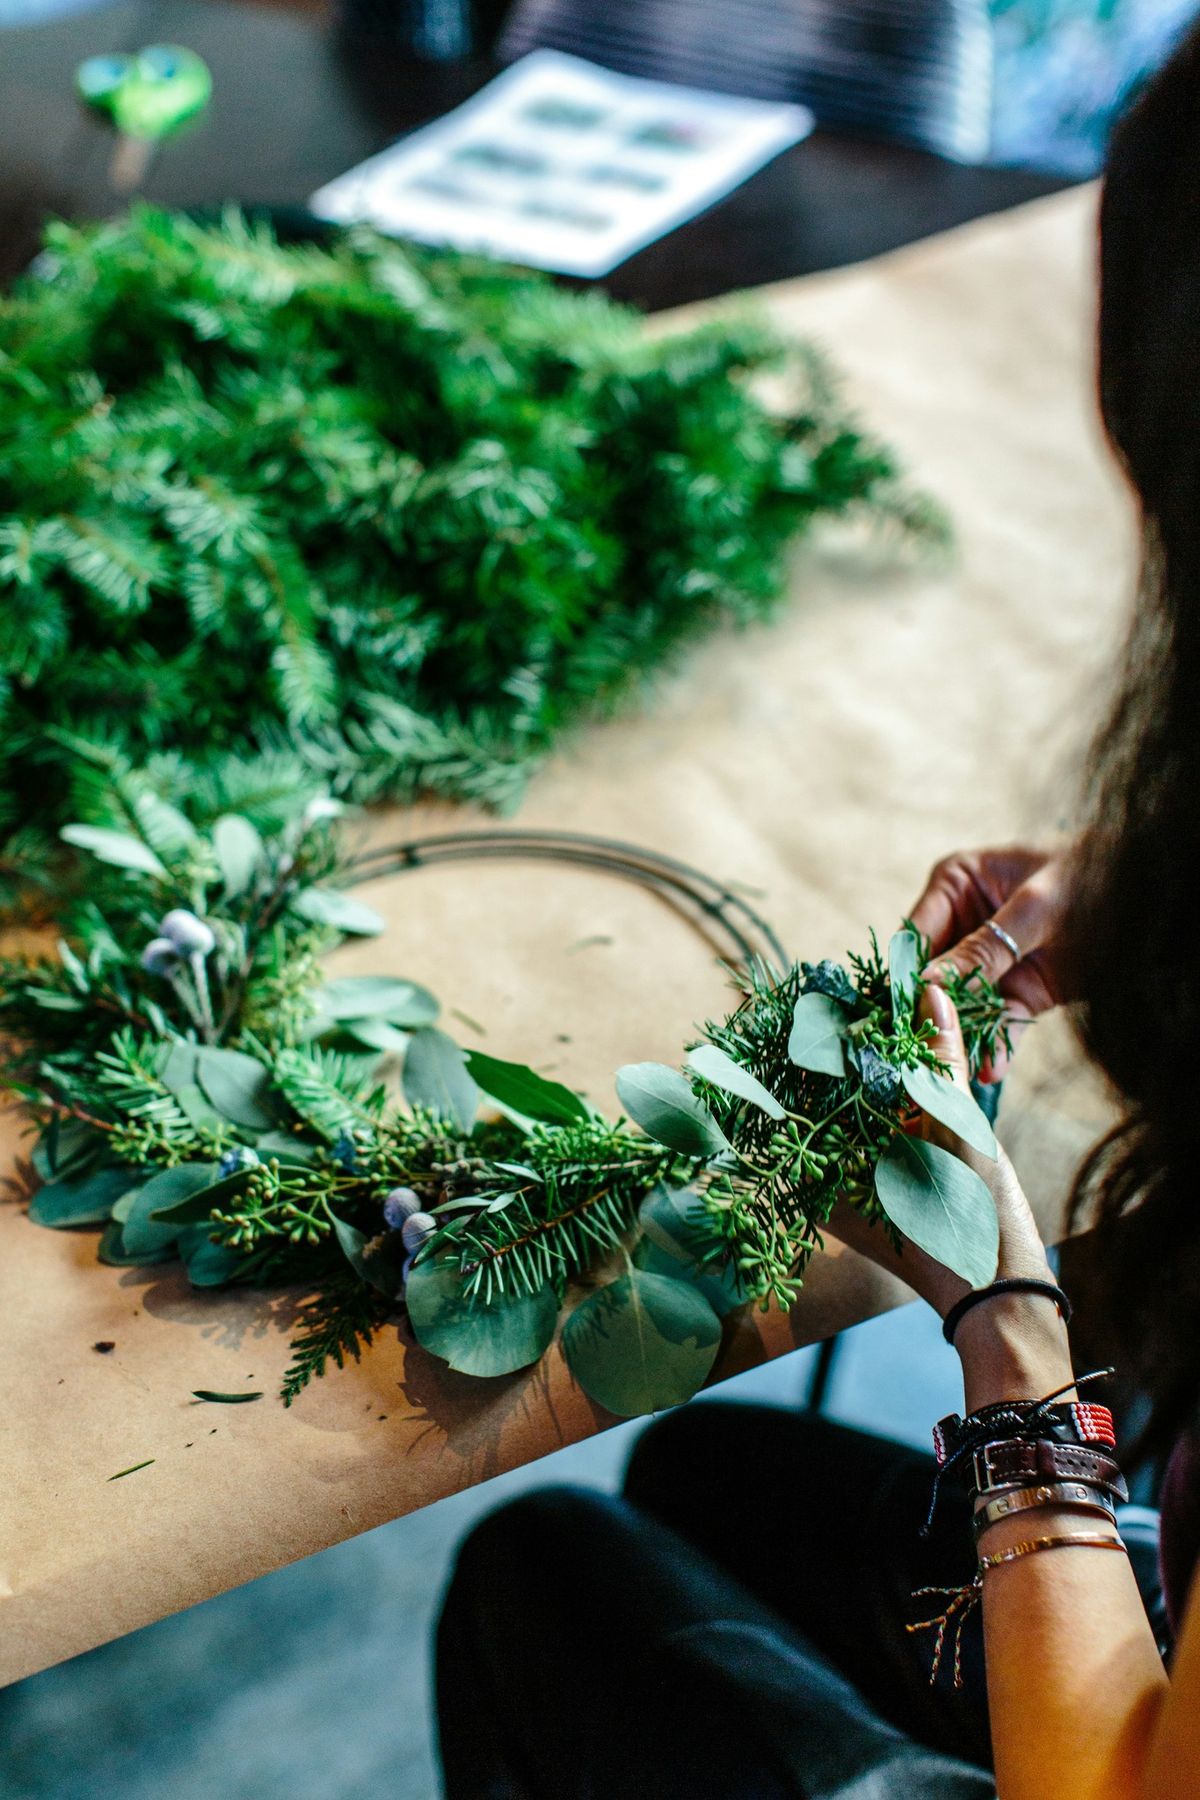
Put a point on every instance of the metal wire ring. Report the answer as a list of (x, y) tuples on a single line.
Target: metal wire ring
[(712, 909)]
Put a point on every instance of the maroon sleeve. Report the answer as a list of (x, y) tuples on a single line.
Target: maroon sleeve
[(1180, 1542)]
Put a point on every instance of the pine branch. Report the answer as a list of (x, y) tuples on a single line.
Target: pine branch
[(395, 519), (339, 1322)]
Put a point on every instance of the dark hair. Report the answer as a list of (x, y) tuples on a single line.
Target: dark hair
[(1133, 935)]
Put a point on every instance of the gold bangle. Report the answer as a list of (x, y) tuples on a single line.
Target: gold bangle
[(1092, 1540)]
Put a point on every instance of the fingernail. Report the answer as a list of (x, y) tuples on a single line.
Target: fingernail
[(941, 1008)]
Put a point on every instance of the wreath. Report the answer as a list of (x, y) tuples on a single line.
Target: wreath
[(203, 1091)]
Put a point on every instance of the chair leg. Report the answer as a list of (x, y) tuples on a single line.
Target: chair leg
[(822, 1375)]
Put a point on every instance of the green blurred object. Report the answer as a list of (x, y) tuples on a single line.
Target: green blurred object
[(149, 95)]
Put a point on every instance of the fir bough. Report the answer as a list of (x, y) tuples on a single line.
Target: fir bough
[(392, 518)]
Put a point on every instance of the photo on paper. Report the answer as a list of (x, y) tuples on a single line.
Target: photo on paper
[(559, 164)]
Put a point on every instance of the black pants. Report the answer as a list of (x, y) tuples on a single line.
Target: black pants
[(733, 1629)]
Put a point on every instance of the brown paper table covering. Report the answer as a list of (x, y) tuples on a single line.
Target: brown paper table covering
[(825, 761)]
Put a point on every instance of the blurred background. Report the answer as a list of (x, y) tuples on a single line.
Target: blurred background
[(1046, 80)]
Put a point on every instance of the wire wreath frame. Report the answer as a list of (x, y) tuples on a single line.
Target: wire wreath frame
[(724, 919)]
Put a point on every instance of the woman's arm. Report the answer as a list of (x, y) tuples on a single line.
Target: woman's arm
[(1078, 1696), (1076, 1687)]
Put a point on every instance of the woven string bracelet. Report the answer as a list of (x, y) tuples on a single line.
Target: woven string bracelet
[(963, 1600)]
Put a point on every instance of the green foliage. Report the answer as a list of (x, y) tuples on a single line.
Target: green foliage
[(336, 1323), (841, 1054), (490, 1338), (436, 1078), (361, 513), (940, 1204), (642, 1342), (187, 1065)]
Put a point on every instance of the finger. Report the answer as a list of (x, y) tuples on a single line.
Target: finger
[(948, 1046), (939, 914), (1014, 931)]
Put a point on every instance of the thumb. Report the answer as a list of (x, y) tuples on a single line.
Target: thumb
[(948, 1046)]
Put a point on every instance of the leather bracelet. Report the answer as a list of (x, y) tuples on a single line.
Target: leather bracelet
[(1006, 1285), (1076, 1495), (959, 1443), (1020, 1462)]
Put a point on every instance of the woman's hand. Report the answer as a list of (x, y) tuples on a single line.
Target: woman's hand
[(1013, 1345), (1023, 892)]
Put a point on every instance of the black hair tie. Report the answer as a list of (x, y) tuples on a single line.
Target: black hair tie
[(1016, 1284)]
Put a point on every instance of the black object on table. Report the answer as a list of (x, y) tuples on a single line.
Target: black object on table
[(293, 106)]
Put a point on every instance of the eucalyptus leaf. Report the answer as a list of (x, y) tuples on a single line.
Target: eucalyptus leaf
[(384, 1268), (661, 1101), (176, 1066), (378, 1034), (436, 1076), (674, 1218), (142, 1234), (340, 911), (199, 1110), (951, 1106), (208, 1264), (196, 1204), (522, 1090), (676, 1226), (65, 1148), (118, 848), (641, 1343), (904, 965), (944, 1207), (713, 1065), (378, 997), (85, 1200), (111, 1250), (816, 1038), (239, 852), (475, 1338), (238, 1085), (285, 1147), (124, 1205), (720, 1287)]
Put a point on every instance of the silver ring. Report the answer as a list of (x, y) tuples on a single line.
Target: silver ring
[(1010, 943)]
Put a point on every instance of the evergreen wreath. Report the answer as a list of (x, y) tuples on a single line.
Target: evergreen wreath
[(203, 1092), (383, 518)]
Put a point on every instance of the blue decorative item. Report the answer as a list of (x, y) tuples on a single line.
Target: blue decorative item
[(1065, 68)]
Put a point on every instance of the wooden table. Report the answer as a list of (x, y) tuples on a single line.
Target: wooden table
[(824, 761)]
